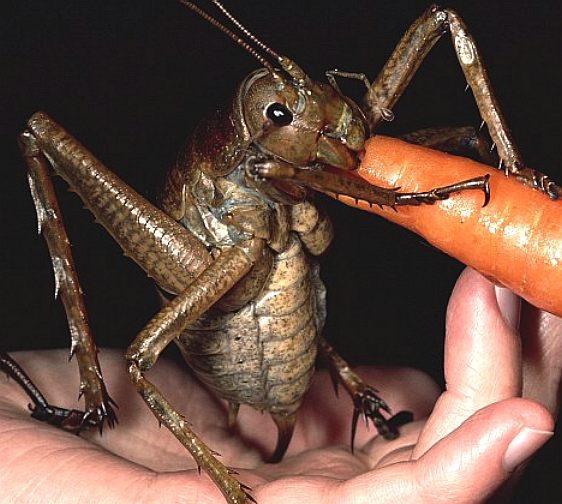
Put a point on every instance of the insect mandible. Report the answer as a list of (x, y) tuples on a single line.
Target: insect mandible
[(262, 133)]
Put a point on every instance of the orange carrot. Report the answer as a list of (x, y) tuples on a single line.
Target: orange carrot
[(516, 240)]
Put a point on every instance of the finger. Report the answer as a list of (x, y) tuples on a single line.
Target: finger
[(482, 357), (468, 465), (542, 357)]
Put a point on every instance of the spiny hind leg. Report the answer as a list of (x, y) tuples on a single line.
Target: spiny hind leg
[(98, 404)]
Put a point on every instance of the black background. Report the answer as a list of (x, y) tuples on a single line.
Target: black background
[(131, 78)]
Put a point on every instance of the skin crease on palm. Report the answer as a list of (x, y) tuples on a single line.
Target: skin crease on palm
[(459, 451)]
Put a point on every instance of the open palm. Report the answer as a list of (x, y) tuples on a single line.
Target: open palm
[(497, 410)]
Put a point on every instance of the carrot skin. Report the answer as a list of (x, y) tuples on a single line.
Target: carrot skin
[(516, 240)]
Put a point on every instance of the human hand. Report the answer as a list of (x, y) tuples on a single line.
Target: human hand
[(479, 432)]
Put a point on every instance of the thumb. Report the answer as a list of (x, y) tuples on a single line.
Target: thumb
[(469, 464)]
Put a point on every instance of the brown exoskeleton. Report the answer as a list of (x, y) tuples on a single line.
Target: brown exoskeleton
[(246, 305)]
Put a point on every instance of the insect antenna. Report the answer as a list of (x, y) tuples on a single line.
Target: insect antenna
[(229, 33), (288, 65), (245, 31)]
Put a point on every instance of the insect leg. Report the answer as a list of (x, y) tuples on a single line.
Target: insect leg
[(313, 227), (97, 401), (366, 401), (183, 310), (408, 56), (403, 63), (332, 74), (462, 140), (341, 185)]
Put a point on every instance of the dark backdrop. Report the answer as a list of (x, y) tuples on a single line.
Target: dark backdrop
[(131, 78)]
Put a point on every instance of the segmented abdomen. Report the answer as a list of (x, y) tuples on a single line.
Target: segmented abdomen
[(263, 355)]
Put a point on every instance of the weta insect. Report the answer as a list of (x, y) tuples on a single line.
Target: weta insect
[(236, 269)]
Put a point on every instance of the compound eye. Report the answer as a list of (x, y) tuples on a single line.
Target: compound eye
[(279, 114)]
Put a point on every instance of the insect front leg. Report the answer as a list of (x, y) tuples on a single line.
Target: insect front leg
[(183, 310), (406, 59), (337, 183)]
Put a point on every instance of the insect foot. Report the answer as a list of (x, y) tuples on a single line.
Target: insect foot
[(443, 193), (75, 421), (366, 402), (539, 181), (70, 420)]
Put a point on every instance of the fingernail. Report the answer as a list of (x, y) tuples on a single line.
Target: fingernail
[(523, 445), (509, 305)]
